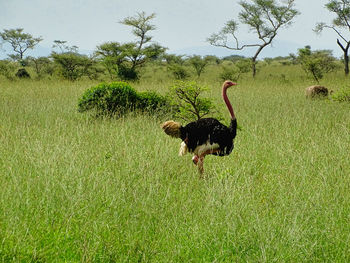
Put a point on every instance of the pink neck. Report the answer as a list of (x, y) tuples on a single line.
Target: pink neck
[(228, 103)]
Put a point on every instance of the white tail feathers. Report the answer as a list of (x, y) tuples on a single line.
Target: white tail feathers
[(183, 149), (172, 128)]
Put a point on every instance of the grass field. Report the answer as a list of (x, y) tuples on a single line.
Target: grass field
[(76, 189)]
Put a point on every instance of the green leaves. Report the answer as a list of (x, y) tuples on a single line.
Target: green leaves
[(187, 96), (119, 98), (234, 72), (342, 10), (19, 41), (198, 63), (7, 68), (316, 63), (72, 66), (141, 26), (108, 98), (230, 27), (342, 21), (263, 17), (124, 60), (342, 95)]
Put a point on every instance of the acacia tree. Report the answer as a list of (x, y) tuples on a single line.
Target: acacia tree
[(141, 26), (139, 51), (41, 65), (111, 55), (263, 17), (175, 64), (19, 41), (124, 60), (61, 45), (341, 8), (172, 58), (198, 63), (316, 63), (118, 58), (71, 64)]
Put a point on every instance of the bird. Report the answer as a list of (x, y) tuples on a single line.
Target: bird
[(207, 135)]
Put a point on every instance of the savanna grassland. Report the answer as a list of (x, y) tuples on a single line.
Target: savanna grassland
[(79, 189)]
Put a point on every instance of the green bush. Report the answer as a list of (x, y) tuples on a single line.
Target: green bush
[(108, 98), (229, 74), (342, 95), (6, 69), (234, 72), (179, 72), (119, 97), (126, 73), (151, 101)]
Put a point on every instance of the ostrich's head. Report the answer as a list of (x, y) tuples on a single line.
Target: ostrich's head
[(229, 83)]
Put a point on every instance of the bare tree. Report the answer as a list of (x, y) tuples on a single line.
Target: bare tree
[(263, 17)]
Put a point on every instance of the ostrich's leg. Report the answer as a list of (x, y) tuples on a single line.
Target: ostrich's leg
[(199, 160), (200, 165), (196, 158)]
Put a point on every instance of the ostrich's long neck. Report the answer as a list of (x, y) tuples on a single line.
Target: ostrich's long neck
[(228, 103)]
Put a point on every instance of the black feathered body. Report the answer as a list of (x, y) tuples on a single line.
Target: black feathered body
[(210, 133)]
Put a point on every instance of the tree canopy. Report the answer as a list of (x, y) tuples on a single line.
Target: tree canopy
[(137, 52), (264, 18), (19, 41), (341, 8), (316, 63), (124, 59)]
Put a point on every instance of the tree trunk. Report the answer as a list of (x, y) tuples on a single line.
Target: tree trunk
[(254, 66), (346, 56), (257, 54), (346, 63)]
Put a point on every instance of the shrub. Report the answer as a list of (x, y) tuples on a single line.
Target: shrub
[(151, 101), (234, 72), (108, 98), (6, 69), (126, 73), (341, 95), (179, 72), (229, 73), (199, 64), (119, 98)]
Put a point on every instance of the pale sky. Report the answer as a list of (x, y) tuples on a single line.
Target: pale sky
[(182, 25)]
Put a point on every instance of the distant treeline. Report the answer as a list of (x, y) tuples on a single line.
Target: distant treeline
[(126, 60)]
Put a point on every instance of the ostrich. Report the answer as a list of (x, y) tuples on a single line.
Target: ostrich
[(205, 136)]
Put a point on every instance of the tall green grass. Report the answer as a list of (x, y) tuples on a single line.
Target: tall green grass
[(77, 189)]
